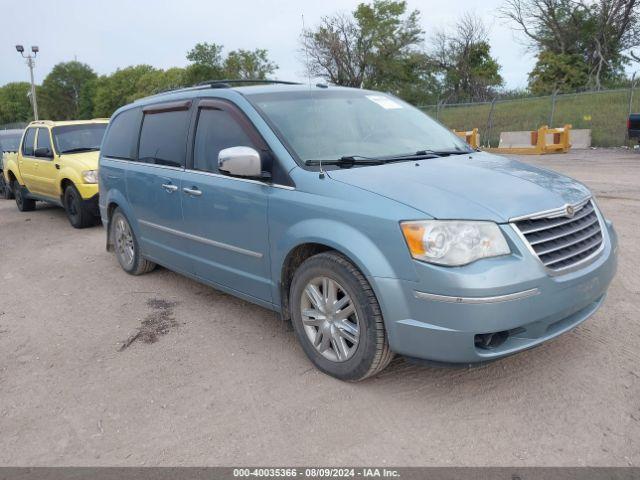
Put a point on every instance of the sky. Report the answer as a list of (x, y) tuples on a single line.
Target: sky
[(111, 34)]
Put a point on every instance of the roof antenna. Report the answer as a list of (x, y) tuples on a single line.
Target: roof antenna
[(306, 52)]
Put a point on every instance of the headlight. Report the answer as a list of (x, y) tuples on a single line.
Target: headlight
[(453, 243), (90, 176)]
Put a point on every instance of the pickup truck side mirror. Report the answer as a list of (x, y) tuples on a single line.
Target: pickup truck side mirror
[(43, 152)]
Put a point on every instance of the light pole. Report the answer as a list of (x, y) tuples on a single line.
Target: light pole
[(31, 63)]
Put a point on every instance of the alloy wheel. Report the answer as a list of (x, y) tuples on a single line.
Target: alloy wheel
[(329, 319), (123, 239)]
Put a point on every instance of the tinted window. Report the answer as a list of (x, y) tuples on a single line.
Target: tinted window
[(79, 138), (163, 138), (216, 131), (27, 145), (43, 139), (9, 142), (122, 139)]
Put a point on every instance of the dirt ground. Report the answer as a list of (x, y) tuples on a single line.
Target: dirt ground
[(101, 368)]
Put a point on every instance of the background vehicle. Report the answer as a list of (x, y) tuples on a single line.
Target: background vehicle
[(57, 163), (9, 143), (369, 225), (633, 125)]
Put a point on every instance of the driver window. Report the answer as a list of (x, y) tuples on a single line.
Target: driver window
[(216, 130)]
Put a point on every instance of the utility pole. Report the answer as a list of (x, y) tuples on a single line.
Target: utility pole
[(31, 63)]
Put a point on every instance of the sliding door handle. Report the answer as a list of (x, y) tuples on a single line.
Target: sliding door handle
[(169, 188)]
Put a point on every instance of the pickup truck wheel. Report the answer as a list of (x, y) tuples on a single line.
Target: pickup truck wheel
[(24, 204), (337, 318), (78, 214), (5, 189), (126, 246)]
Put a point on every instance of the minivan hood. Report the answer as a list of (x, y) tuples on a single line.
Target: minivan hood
[(477, 186), (86, 160)]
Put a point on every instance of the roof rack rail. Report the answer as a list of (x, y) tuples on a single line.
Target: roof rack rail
[(226, 83)]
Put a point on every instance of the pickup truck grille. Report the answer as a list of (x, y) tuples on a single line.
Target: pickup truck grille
[(562, 241)]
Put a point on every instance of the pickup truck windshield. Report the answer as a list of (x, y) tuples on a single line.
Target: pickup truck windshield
[(329, 125), (78, 138)]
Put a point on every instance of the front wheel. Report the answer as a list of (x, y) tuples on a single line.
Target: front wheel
[(337, 318), (79, 215), (126, 246)]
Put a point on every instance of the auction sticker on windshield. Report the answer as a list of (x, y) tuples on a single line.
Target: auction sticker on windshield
[(384, 102)]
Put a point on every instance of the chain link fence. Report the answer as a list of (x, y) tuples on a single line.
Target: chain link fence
[(605, 112)]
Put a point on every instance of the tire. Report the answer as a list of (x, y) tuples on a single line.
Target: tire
[(5, 189), (78, 214), (126, 245), (335, 354), (24, 204)]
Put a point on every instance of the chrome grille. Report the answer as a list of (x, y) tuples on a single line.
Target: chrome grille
[(561, 241)]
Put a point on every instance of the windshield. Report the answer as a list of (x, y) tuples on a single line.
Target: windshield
[(78, 138), (9, 142), (328, 125)]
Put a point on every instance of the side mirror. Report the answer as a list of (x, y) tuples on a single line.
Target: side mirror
[(43, 152), (240, 161)]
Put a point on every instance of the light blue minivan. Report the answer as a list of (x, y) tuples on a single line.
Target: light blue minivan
[(370, 226)]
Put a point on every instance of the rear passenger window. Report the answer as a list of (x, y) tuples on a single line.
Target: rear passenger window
[(163, 139), (216, 130), (27, 145), (122, 140), (44, 140)]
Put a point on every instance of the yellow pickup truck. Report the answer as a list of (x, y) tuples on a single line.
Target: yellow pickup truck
[(57, 162)]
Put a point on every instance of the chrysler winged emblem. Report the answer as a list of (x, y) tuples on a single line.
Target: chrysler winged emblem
[(570, 211)]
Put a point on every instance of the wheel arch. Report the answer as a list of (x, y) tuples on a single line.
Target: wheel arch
[(295, 247)]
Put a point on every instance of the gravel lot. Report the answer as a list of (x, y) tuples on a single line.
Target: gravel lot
[(213, 380)]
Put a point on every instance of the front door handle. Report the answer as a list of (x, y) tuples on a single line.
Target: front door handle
[(192, 191), (169, 188), (57, 166)]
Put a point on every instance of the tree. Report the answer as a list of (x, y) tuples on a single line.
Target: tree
[(378, 46), (602, 33), (247, 64), (117, 89), (59, 97), (469, 72), (14, 103), (208, 63), (558, 73)]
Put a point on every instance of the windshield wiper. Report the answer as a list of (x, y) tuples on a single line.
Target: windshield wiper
[(80, 149), (347, 161)]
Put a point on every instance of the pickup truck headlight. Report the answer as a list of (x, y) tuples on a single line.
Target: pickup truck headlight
[(90, 176), (452, 242)]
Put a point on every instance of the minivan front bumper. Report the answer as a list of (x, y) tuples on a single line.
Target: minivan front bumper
[(492, 308)]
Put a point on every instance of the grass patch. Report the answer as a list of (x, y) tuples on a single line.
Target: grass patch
[(605, 113)]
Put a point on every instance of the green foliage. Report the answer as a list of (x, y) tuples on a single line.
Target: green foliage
[(558, 72), (378, 47), (60, 95), (592, 40), (245, 64), (14, 103), (207, 54), (117, 89), (208, 63)]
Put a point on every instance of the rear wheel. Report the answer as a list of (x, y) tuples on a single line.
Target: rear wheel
[(337, 318), (24, 204), (126, 246), (77, 212)]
